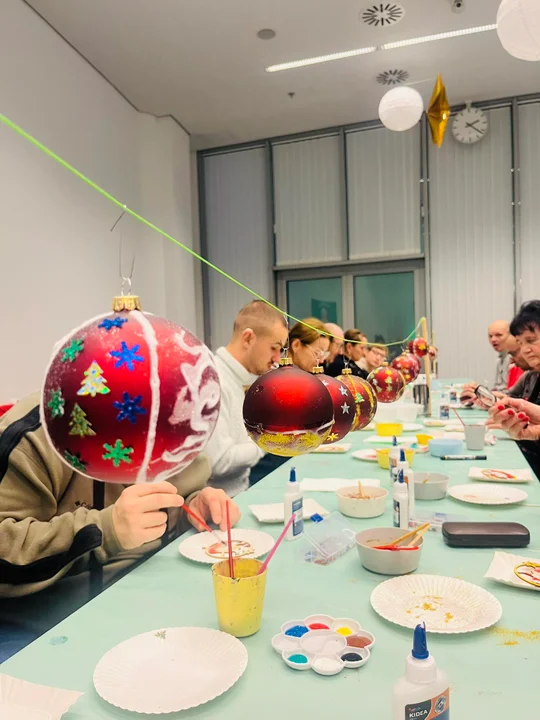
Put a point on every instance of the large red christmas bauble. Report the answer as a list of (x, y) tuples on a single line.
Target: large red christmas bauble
[(288, 412), (419, 347), (344, 407), (388, 383), (408, 365), (364, 398), (130, 397), (433, 352)]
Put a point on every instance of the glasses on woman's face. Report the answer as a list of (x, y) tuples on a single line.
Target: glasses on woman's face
[(319, 354)]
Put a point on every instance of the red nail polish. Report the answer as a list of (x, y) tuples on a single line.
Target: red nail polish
[(511, 413), (522, 416), (500, 407)]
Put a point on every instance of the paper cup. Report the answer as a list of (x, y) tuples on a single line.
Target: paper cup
[(475, 436), (239, 601)]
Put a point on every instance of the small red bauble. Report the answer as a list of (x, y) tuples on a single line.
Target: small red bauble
[(388, 383), (419, 347), (364, 397), (130, 397), (433, 352), (288, 412), (344, 406), (408, 365)]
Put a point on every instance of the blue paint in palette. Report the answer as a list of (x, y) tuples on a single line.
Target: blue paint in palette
[(298, 659), (297, 631)]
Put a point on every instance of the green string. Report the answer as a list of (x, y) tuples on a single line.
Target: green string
[(19, 130)]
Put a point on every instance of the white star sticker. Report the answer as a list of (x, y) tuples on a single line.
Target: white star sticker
[(343, 390), (325, 383), (345, 409)]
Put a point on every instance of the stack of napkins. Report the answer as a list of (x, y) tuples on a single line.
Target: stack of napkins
[(22, 700), (275, 512), (333, 484)]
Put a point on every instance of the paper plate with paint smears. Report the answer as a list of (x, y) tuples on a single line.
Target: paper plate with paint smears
[(169, 670), (203, 547), (447, 605), (487, 494)]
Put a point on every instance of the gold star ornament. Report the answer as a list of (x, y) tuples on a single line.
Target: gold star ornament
[(438, 112)]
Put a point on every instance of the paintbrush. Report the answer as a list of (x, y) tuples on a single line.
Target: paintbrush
[(458, 416), (229, 542), (198, 519), (277, 544)]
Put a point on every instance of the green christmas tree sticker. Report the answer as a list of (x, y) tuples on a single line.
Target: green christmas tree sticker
[(117, 453), (79, 424), (94, 383), (56, 403)]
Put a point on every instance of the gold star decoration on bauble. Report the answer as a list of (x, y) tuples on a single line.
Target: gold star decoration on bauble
[(438, 112)]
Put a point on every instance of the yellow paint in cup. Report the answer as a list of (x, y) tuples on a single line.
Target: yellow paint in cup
[(423, 438), (239, 601)]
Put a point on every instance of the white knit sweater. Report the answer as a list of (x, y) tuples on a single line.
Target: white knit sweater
[(230, 450)]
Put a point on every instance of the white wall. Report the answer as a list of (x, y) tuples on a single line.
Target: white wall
[(58, 260)]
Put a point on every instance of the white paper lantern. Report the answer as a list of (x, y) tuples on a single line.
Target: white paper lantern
[(518, 28), (401, 108)]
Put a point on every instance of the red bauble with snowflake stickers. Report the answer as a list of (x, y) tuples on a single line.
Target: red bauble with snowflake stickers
[(130, 397), (388, 383), (419, 347), (344, 406), (433, 352), (408, 365), (364, 398)]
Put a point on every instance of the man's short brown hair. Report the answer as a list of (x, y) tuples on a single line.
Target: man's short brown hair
[(259, 317)]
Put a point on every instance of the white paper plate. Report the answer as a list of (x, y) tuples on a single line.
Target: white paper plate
[(382, 440), (333, 484), (335, 448), (502, 570), (275, 512), (194, 546), (168, 670), (433, 422), (488, 494), (483, 475), (411, 427), (366, 455), (447, 605), (23, 700)]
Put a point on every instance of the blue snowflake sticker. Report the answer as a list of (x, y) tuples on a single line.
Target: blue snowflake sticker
[(129, 408), (109, 324), (127, 356)]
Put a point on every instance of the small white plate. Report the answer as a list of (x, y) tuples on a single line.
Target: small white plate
[(411, 427), (366, 455), (194, 547), (168, 670), (495, 475), (275, 512), (334, 449), (488, 494), (387, 440), (433, 422)]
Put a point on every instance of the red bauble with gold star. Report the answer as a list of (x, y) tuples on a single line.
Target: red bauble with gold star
[(408, 365), (364, 397), (344, 406), (130, 397), (288, 411), (433, 352), (419, 347), (388, 383)]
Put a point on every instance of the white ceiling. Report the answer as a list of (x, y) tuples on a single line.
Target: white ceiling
[(201, 61)]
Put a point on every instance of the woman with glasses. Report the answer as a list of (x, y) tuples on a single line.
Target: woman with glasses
[(308, 346), (353, 354), (374, 357)]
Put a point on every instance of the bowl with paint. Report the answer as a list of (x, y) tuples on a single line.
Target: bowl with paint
[(345, 626), (319, 622), (370, 503), (355, 657), (430, 486), (294, 628), (361, 640), (383, 457), (386, 562)]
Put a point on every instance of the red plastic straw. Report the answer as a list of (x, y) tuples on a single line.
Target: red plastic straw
[(459, 417), (201, 521), (229, 542), (278, 543)]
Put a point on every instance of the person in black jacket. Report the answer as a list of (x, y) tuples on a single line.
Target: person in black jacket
[(353, 352)]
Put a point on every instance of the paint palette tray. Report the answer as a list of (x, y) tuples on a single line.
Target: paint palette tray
[(323, 644)]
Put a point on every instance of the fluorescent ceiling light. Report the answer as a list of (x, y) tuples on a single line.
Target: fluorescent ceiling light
[(320, 59), (386, 46), (439, 36)]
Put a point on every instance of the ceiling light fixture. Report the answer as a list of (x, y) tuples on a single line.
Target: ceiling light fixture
[(386, 46), (320, 59), (266, 34), (438, 36)]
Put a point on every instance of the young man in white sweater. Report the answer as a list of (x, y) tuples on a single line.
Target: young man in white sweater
[(260, 333)]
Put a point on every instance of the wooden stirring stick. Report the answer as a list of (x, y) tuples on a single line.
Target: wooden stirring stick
[(410, 534), (419, 534), (361, 491)]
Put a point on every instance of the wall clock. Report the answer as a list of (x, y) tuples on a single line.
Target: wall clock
[(470, 125)]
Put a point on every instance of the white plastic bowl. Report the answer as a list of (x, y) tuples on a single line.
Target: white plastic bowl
[(372, 506), (407, 412)]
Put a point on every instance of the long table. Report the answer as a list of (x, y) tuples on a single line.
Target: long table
[(492, 673)]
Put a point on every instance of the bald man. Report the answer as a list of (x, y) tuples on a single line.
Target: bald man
[(336, 342), (499, 335)]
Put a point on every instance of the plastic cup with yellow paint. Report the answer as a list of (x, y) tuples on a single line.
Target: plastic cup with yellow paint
[(239, 601), (424, 438)]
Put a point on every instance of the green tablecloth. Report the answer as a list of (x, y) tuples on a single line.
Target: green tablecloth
[(492, 673)]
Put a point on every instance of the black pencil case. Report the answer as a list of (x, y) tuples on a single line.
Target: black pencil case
[(486, 534)]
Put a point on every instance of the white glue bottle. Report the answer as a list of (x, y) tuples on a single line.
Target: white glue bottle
[(424, 691), (393, 458), (294, 503), (409, 479), (400, 497)]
